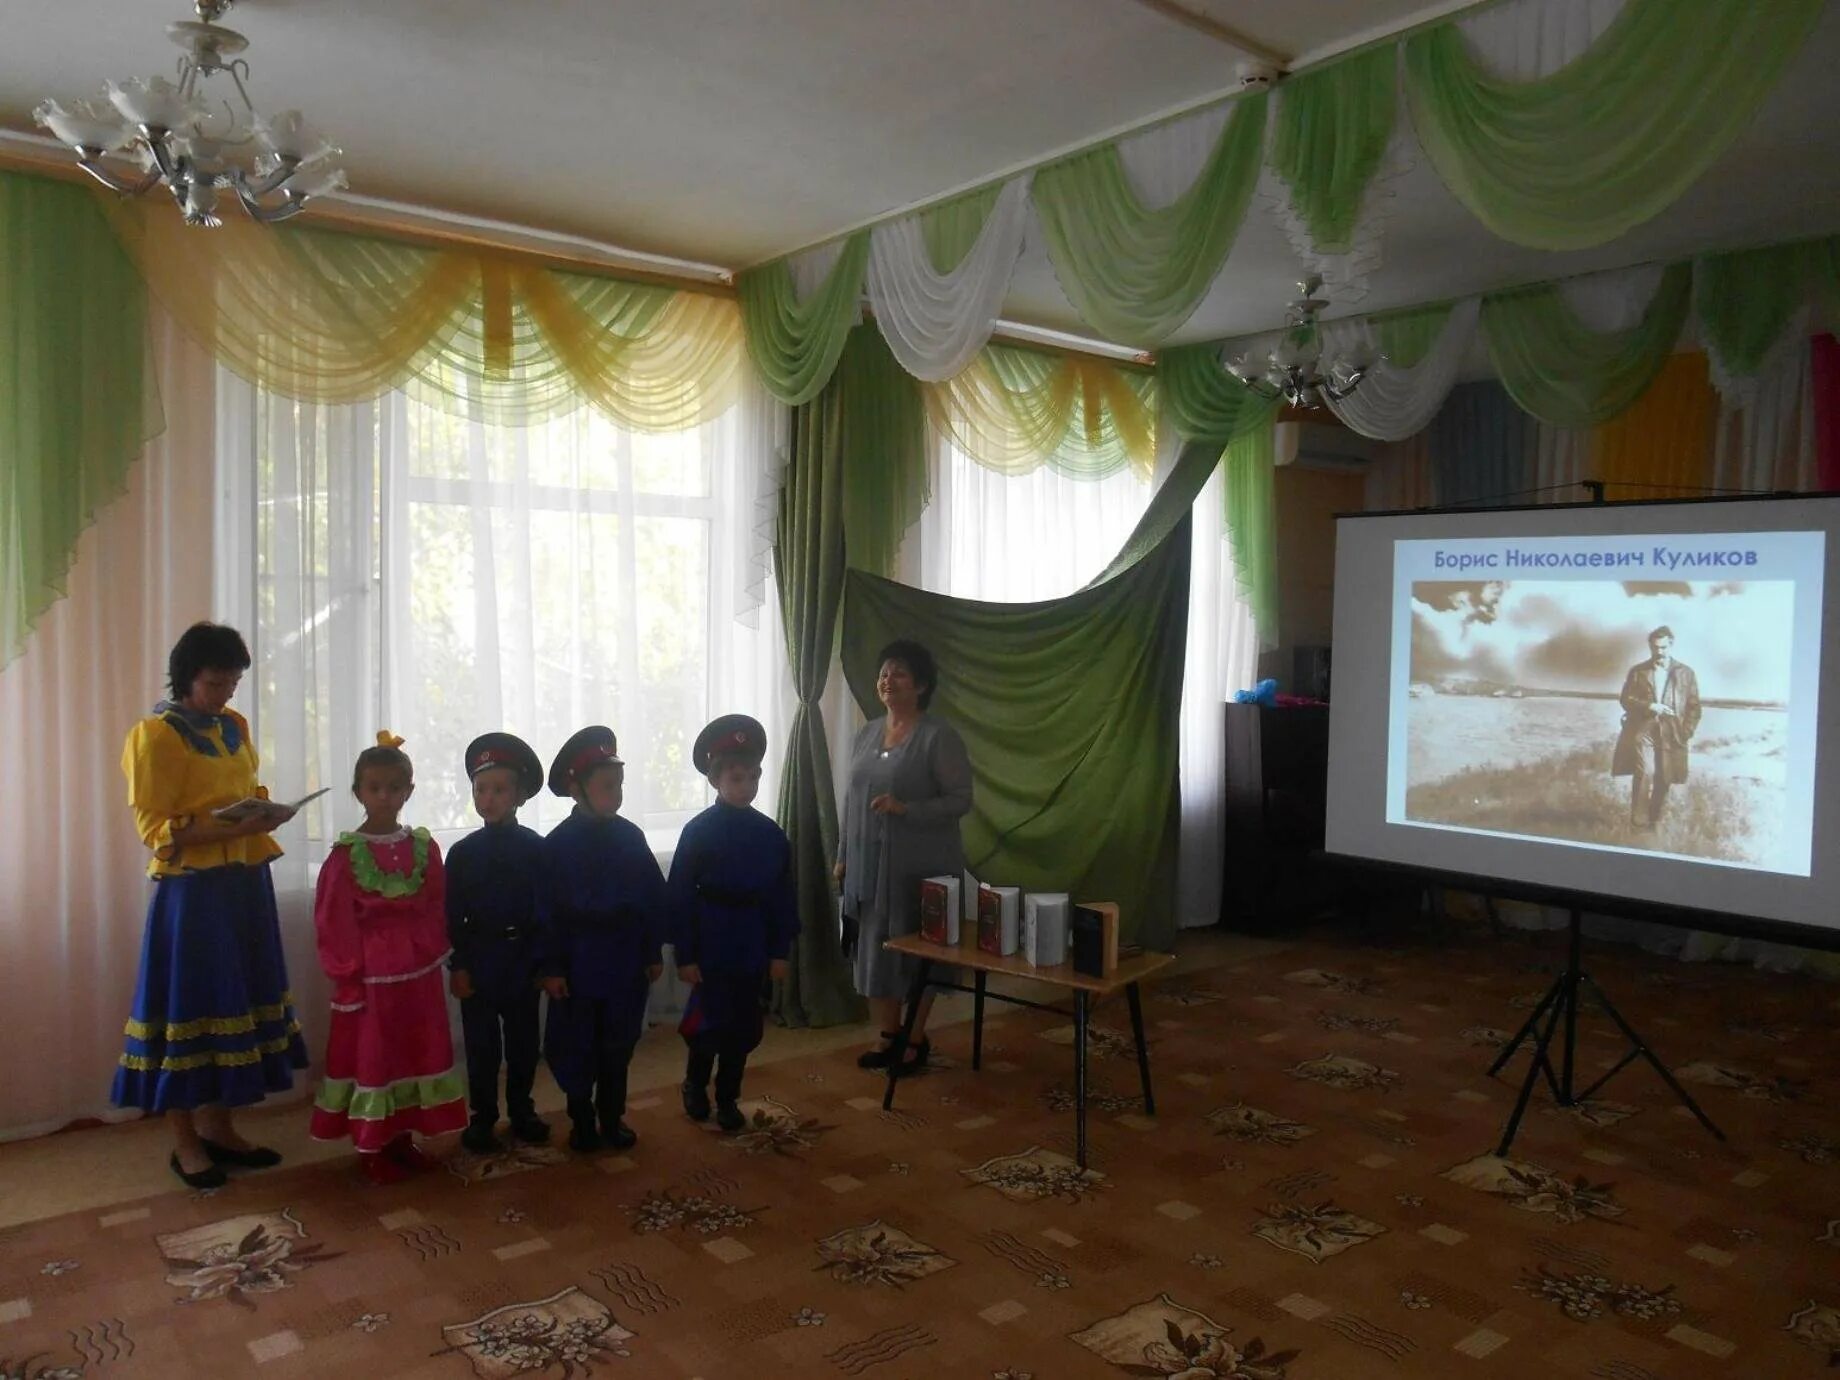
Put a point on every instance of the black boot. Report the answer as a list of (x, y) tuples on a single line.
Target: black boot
[(729, 1069), (530, 1128), (583, 1137), (480, 1136)]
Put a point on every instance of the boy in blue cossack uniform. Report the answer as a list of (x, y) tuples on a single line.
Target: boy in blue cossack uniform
[(494, 901), (602, 943), (734, 916)]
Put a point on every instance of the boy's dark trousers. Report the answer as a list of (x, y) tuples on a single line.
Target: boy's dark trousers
[(481, 1017), (725, 1057)]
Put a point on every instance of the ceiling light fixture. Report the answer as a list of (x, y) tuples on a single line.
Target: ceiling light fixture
[(1294, 369), (183, 142)]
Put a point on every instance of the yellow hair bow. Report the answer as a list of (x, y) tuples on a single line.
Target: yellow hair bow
[(385, 738)]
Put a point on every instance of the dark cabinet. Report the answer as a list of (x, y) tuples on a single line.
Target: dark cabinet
[(1277, 783)]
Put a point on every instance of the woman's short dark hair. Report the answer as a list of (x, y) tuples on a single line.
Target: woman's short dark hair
[(381, 758), (200, 648), (919, 663)]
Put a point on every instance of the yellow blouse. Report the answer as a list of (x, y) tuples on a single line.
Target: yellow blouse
[(170, 781)]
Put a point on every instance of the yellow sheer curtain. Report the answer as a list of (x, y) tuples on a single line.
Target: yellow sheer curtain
[(330, 317), (1015, 410), (1663, 442)]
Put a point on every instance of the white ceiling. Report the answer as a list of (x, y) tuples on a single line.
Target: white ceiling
[(732, 131)]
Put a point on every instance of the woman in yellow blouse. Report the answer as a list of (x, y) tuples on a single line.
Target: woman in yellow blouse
[(213, 1025)]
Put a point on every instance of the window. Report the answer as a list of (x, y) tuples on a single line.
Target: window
[(440, 576)]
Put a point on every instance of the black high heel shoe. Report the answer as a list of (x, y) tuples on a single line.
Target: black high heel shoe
[(879, 1058), (214, 1177), (255, 1157)]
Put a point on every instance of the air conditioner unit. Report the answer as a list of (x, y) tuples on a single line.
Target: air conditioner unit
[(1323, 446)]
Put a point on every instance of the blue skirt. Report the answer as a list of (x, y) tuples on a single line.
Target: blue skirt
[(213, 1018)]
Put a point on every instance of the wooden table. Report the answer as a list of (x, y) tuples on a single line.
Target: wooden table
[(1087, 992)]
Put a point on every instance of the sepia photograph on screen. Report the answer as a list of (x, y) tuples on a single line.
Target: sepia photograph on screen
[(1649, 715)]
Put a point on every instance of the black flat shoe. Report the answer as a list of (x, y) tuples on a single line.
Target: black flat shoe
[(696, 1102), (214, 1177), (879, 1058), (618, 1136), (584, 1139), (256, 1157), (729, 1117), (480, 1138), (917, 1055)]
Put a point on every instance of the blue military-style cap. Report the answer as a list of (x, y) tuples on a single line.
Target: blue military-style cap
[(585, 750), (491, 750)]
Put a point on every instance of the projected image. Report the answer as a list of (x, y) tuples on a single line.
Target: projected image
[(1651, 715)]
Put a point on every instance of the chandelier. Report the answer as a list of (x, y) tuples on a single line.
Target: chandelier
[(182, 140), (1293, 369)]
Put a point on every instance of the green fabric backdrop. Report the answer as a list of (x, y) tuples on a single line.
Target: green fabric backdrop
[(1071, 711)]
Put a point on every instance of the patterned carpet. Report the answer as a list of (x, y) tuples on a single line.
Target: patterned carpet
[(1315, 1199)]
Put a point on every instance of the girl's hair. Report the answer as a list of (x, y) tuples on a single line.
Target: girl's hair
[(381, 758), (919, 664), (204, 647)]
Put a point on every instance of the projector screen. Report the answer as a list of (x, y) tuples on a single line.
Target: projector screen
[(1622, 700)]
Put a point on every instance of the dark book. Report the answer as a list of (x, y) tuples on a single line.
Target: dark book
[(933, 911), (990, 920), (1086, 941)]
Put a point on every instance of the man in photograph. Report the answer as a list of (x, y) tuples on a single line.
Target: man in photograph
[(1660, 714)]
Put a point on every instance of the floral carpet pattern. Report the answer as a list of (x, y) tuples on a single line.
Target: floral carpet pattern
[(1317, 1198)]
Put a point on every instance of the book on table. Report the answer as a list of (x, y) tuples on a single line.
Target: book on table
[(1092, 938), (939, 910), (1044, 928), (999, 918), (252, 805)]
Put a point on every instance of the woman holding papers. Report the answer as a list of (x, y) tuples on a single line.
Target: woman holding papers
[(910, 785), (213, 1024)]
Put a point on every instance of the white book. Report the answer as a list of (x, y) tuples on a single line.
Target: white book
[(1044, 928)]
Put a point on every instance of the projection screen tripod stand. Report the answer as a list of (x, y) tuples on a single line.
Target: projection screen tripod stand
[(1560, 1006)]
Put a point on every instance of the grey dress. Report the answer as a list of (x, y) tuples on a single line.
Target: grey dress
[(885, 857)]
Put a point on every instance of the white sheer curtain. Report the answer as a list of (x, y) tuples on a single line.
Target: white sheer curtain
[(401, 567), (73, 873)]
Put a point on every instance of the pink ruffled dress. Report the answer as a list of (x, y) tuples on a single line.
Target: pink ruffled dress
[(382, 928)]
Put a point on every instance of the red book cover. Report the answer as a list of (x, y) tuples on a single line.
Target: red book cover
[(990, 921), (933, 902)]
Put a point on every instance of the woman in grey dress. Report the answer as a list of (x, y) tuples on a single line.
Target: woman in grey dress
[(910, 785)]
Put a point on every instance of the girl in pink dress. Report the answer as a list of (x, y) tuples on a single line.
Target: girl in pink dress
[(382, 929)]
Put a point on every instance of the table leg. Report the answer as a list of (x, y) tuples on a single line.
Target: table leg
[(1079, 1077), (1143, 1050), (915, 991), (977, 1022)]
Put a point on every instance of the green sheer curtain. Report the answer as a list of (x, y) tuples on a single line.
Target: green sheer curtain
[(1612, 139), (808, 565), (1331, 131), (77, 401), (795, 344), (1136, 274), (885, 475), (952, 227), (1744, 300), (1207, 404), (1252, 526), (1568, 375)]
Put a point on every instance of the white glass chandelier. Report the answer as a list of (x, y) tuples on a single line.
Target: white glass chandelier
[(1294, 369), (182, 140)]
